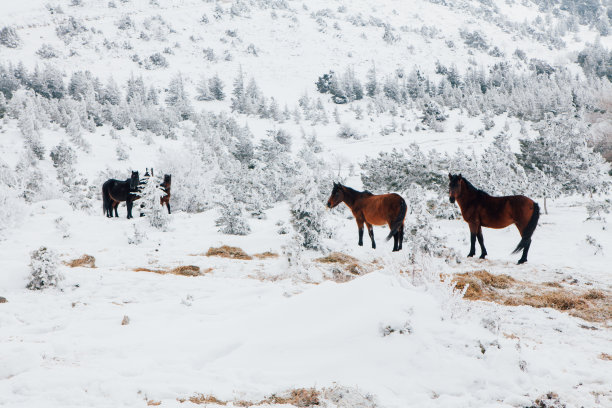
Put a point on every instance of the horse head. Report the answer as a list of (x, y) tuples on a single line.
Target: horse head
[(337, 195), (454, 186), (134, 180)]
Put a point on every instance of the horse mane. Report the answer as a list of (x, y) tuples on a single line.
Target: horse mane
[(352, 190), (471, 187)]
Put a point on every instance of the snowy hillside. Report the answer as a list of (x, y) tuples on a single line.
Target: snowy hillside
[(250, 292)]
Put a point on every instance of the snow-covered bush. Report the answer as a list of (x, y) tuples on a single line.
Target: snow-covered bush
[(9, 37), (47, 51), (475, 39), (231, 220), (43, 267), (122, 151), (347, 132), (64, 158), (156, 60), (137, 236)]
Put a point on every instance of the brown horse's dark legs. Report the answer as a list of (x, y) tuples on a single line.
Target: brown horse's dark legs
[(129, 208), (168, 205), (483, 250), (360, 243), (371, 233), (472, 245), (395, 241), (525, 251), (400, 237)]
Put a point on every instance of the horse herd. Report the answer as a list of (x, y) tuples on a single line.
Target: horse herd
[(478, 209), (116, 191)]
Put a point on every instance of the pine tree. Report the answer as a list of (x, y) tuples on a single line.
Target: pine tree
[(203, 91), (231, 220), (150, 203), (307, 211), (64, 158), (372, 84), (216, 87), (178, 98), (239, 99)]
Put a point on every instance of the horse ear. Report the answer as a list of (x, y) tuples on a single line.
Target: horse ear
[(450, 176), (460, 176)]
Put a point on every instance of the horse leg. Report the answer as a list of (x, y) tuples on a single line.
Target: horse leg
[(360, 227), (168, 205), (129, 204), (483, 250), (371, 232), (401, 237), (395, 241), (525, 251), (473, 232), (115, 205)]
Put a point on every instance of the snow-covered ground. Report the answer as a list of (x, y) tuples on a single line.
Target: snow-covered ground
[(396, 336)]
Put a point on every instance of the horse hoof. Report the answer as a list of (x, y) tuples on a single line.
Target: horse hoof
[(360, 243), (521, 261), (482, 256), (470, 255)]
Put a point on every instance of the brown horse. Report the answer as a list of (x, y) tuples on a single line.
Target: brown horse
[(479, 209), (372, 209)]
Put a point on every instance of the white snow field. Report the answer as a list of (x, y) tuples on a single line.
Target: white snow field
[(387, 329)]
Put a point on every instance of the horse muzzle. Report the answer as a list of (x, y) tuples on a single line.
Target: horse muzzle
[(451, 199)]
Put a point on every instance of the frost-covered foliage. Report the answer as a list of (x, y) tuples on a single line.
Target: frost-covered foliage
[(343, 88), (561, 152), (231, 220), (64, 159), (178, 98), (43, 267), (596, 60), (150, 203), (308, 211), (9, 37), (347, 132), (210, 89)]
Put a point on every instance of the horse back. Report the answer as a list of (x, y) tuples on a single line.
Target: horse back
[(500, 212), (380, 209)]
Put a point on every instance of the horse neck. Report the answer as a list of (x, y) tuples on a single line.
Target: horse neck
[(467, 197), (351, 197)]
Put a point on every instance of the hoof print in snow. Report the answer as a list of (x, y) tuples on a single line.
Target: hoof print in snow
[(3, 300), (125, 321)]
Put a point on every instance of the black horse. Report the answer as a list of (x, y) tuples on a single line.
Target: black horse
[(115, 191)]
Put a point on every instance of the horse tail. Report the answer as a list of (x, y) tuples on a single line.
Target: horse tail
[(399, 221), (528, 231), (106, 199)]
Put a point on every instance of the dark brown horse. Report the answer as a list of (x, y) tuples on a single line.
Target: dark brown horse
[(372, 210), (115, 191), (165, 185), (479, 209)]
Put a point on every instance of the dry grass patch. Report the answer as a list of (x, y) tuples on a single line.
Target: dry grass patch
[(153, 403), (184, 270), (592, 305), (300, 397), (605, 356), (231, 252), (338, 257), (266, 255), (86, 261)]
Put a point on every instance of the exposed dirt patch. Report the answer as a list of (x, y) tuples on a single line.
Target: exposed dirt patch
[(231, 252), (184, 270), (86, 261), (605, 356), (592, 305)]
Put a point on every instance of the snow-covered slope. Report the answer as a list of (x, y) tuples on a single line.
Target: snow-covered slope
[(383, 330)]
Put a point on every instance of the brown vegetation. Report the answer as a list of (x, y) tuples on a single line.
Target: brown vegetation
[(300, 397), (266, 255), (592, 305), (184, 270), (338, 257), (605, 356), (86, 261), (226, 251)]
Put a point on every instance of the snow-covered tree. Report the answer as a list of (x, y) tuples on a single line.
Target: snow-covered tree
[(500, 170), (178, 98), (231, 220), (43, 267), (308, 211), (64, 158), (150, 197)]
